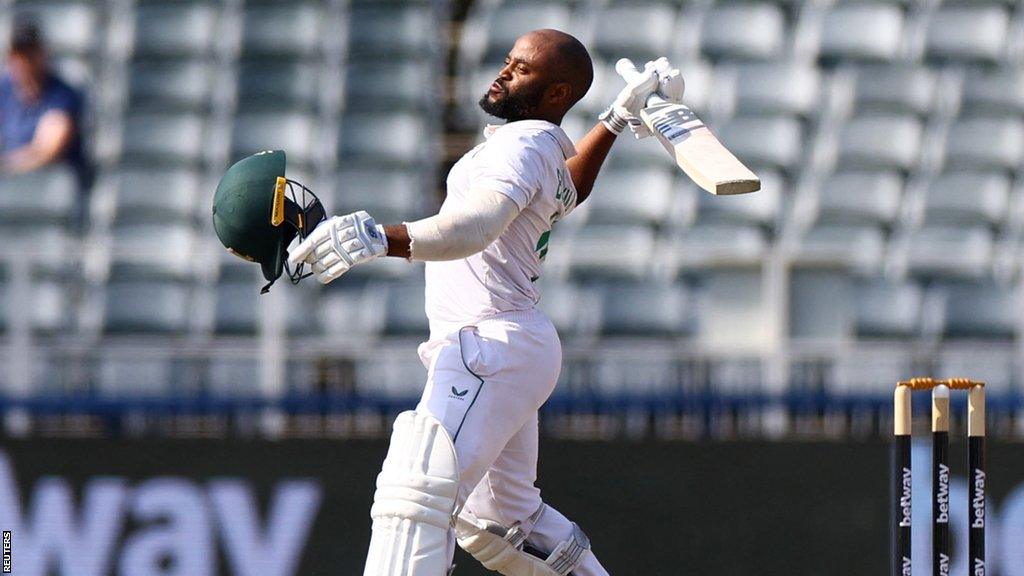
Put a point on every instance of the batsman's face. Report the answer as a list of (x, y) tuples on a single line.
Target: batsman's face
[(518, 91)]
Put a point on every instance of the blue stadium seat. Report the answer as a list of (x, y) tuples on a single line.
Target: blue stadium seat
[(405, 315), (236, 307), (382, 31), (274, 85), (164, 138), (154, 307), (870, 31), (646, 309), (742, 31), (888, 309), (843, 247), (762, 208), (982, 311), (398, 375), (175, 28), (382, 86), (368, 137), (233, 377), (718, 245), (575, 310), (153, 250), (389, 195), (121, 375), (859, 198), (48, 307), (635, 373), (946, 251), (47, 195), (614, 36), (995, 143), (281, 30), (511, 20), (968, 198), (968, 33), (163, 84), (869, 371), (295, 132), (352, 311), (596, 251), (765, 141), (631, 196), (733, 311), (999, 91), (821, 305), (994, 363), (777, 88), (155, 195), (46, 245), (239, 305), (887, 142), (900, 89)]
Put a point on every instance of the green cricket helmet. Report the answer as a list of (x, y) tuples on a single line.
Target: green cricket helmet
[(257, 212)]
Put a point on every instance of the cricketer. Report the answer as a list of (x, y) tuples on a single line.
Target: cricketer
[(461, 467)]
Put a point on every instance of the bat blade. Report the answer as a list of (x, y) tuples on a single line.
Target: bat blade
[(696, 150)]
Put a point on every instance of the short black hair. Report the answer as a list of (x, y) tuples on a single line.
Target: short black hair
[(27, 37)]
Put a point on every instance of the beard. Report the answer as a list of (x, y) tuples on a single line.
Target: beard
[(514, 106)]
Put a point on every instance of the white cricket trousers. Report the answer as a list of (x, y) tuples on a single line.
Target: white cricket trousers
[(485, 384)]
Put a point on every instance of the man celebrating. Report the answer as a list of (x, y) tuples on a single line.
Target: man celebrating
[(470, 447)]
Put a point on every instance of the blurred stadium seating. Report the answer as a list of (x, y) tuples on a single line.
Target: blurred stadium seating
[(887, 240)]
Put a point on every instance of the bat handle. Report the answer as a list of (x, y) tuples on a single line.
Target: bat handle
[(654, 99), (628, 71)]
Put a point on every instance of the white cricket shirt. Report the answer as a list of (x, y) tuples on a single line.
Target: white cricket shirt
[(525, 161)]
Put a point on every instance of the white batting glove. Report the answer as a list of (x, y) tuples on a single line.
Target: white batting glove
[(339, 243), (670, 87), (639, 87), (670, 81)]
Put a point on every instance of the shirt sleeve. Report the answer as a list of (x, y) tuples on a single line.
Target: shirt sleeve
[(66, 100), (511, 164)]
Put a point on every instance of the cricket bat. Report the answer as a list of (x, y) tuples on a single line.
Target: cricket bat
[(695, 149)]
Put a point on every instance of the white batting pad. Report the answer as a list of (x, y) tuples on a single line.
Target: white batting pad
[(414, 502)]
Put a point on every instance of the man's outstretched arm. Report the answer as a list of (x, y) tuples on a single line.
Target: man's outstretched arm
[(341, 242)]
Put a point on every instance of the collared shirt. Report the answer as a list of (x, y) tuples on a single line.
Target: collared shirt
[(525, 161)]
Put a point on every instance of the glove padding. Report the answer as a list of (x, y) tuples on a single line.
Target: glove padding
[(639, 87), (670, 81), (670, 87), (339, 243)]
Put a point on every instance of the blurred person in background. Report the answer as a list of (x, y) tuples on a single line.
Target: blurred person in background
[(40, 114)]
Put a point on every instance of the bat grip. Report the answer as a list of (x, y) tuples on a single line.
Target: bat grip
[(654, 99), (628, 71)]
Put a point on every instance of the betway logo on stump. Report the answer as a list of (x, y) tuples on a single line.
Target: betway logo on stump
[(123, 528), (906, 498), (978, 500), (942, 495)]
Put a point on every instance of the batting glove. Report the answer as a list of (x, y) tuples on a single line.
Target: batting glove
[(670, 88), (639, 87), (339, 243)]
